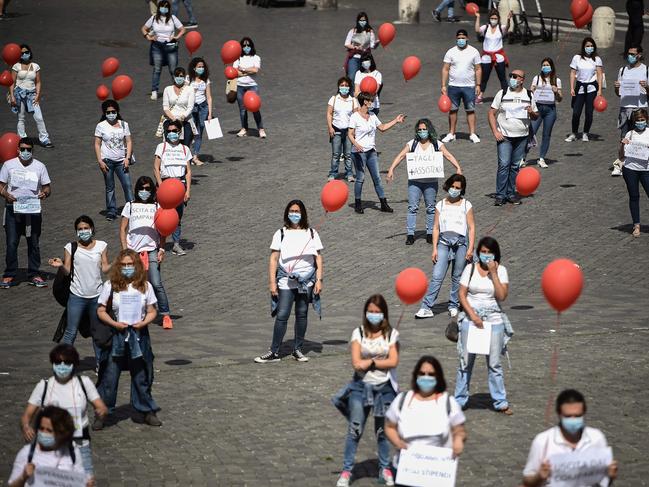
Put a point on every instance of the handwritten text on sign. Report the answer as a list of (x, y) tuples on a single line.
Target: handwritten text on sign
[(27, 204), (636, 151), (423, 166), (54, 477), (578, 468), (423, 466)]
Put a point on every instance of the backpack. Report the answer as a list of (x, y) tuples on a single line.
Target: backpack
[(646, 74), (415, 143), (529, 94)]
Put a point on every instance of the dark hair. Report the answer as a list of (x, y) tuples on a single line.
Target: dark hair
[(191, 69), (368, 56), (180, 71), (27, 141), (378, 300), (344, 79), (494, 12), (167, 16), (304, 221), (462, 32), (62, 424), (583, 48), (253, 51), (25, 46), (439, 373), (109, 104), (553, 73), (169, 123), (141, 181), (432, 133), (454, 178), (367, 27), (84, 219), (570, 396), (364, 96), (639, 49), (492, 244), (64, 352)]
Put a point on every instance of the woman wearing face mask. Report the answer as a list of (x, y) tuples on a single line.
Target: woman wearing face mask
[(25, 95), (339, 110), (375, 356), (52, 447), (130, 300), (635, 170), (199, 79), (368, 68), (70, 392), (178, 103), (483, 286), (427, 414), (360, 40), (86, 258), (295, 273), (586, 76), (248, 66), (425, 142), (113, 149), (163, 31), (493, 53), (453, 240)]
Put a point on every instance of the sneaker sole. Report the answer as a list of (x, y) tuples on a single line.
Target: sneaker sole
[(267, 361), (178, 253), (423, 317)]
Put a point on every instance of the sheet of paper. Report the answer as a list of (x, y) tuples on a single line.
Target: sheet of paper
[(130, 307), (579, 468), (544, 94), (479, 339), (425, 466), (213, 129), (516, 110), (55, 477), (24, 180), (630, 87), (423, 166), (27, 205), (636, 151)]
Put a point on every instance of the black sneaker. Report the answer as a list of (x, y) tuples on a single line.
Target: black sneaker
[(152, 420), (410, 239), (191, 25), (110, 218), (429, 238), (48, 145), (499, 202), (299, 356), (515, 200), (267, 357), (452, 19), (436, 16)]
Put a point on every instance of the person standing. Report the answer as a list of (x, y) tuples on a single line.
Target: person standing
[(509, 119), (445, 4), (368, 68), (571, 435), (24, 184), (175, 6), (493, 53), (199, 79), (248, 65), (360, 40), (635, 30), (462, 72), (178, 104), (339, 111)]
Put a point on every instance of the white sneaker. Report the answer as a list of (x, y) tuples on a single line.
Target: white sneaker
[(154, 95), (299, 356), (448, 138), (523, 163), (242, 133), (571, 138), (343, 480), (452, 312), (541, 162), (474, 138), (424, 313), (616, 171), (584, 137)]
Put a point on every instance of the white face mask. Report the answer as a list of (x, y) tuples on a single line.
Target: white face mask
[(493, 22)]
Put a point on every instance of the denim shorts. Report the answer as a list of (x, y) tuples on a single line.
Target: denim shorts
[(459, 93)]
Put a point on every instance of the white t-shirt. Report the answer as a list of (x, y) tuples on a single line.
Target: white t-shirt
[(544, 84), (419, 149), (463, 62), (639, 73), (493, 41), (297, 253), (363, 41), (26, 78), (509, 109), (244, 63), (142, 235), (149, 297), (376, 348), (113, 139), (200, 87), (452, 218), (56, 459), (173, 159), (360, 75), (86, 282), (181, 104), (586, 70), (551, 442), (68, 396), (481, 289), (24, 180), (342, 110), (364, 130), (640, 139), (162, 29)]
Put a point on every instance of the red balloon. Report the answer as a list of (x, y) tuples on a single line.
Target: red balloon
[(600, 103), (170, 193), (8, 146), (334, 195), (251, 101), (410, 67), (578, 8), (102, 92), (11, 53), (444, 104), (411, 285), (369, 85), (585, 19), (387, 32), (562, 282), (6, 78), (193, 41), (166, 221), (109, 67), (527, 181), (230, 52), (231, 72), (122, 86), (471, 8)]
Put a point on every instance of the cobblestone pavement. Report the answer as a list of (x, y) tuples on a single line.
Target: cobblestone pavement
[(228, 421)]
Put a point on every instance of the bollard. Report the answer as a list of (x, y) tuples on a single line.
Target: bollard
[(603, 27), (409, 11)]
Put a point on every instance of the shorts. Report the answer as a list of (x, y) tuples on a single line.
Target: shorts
[(462, 93)]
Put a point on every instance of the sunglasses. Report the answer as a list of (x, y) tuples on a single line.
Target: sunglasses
[(63, 362), (23, 149), (175, 131), (516, 76), (108, 112)]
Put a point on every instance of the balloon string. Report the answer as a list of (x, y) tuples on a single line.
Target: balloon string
[(403, 311), (554, 369), (317, 229)]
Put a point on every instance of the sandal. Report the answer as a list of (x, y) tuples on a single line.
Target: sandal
[(636, 231), (506, 411)]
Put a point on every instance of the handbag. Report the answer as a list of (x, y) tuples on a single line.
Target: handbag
[(62, 281), (231, 90), (452, 331), (192, 124), (102, 334)]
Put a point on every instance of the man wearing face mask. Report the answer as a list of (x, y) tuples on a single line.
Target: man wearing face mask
[(24, 184), (462, 72), (509, 119), (570, 435)]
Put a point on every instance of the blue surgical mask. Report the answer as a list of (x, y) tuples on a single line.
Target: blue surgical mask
[(143, 194), (25, 155), (632, 59), (366, 64), (362, 23), (426, 383), (62, 370), (173, 137), (179, 80), (294, 218), (454, 192), (513, 83), (461, 43), (25, 56), (128, 271), (84, 235), (546, 69), (375, 319), (573, 425), (164, 10), (200, 71), (589, 50), (344, 90), (486, 258), (46, 440), (111, 117), (641, 125), (247, 49), (422, 134)]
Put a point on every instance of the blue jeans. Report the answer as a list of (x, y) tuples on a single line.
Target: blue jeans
[(439, 273), (243, 113), (175, 5), (286, 299), (180, 209), (15, 226), (510, 152), (76, 308), (86, 458), (416, 190), (200, 115), (547, 116), (340, 144), (371, 160), (155, 279), (633, 179), (462, 94), (446, 3), (494, 368), (158, 55), (124, 176), (353, 66)]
